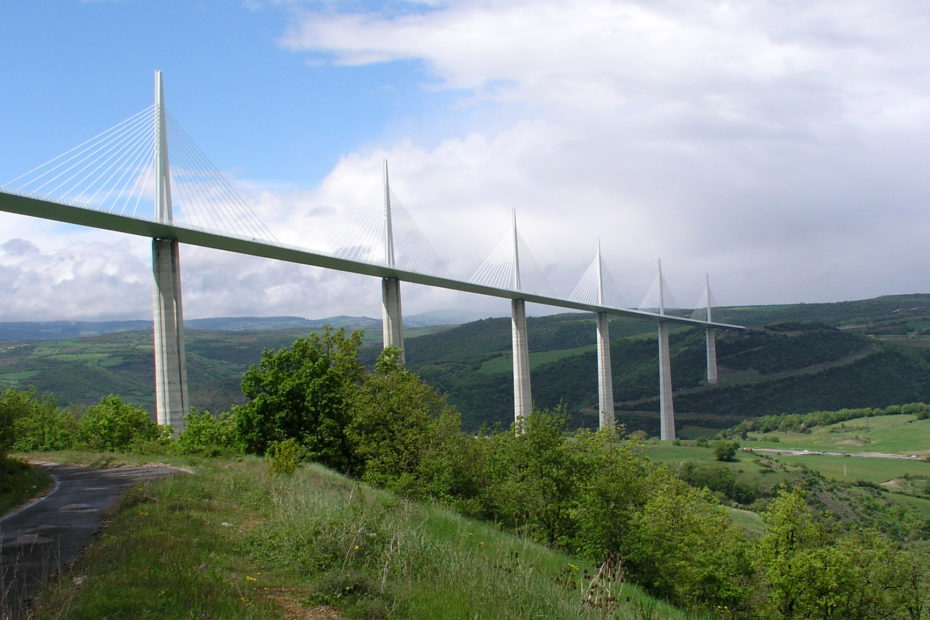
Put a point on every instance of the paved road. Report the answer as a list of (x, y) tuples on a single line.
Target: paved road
[(862, 455), (41, 538)]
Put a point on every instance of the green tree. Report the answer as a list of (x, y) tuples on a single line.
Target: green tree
[(207, 434), (394, 415), (303, 392), (725, 450), (531, 477), (683, 546), (809, 569), (610, 488), (114, 425), (452, 465), (45, 427), (29, 422), (13, 405)]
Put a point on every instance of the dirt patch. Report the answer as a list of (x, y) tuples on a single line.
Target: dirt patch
[(852, 442), (892, 484), (287, 599)]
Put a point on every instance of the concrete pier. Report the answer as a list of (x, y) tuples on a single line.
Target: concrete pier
[(666, 406), (605, 383), (392, 318), (522, 393), (391, 315), (171, 401), (711, 341), (711, 356)]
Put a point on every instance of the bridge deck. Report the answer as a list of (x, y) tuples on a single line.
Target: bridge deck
[(36, 207)]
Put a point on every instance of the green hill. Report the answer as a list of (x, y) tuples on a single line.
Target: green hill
[(795, 358)]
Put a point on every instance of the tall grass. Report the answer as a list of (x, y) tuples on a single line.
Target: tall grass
[(234, 541)]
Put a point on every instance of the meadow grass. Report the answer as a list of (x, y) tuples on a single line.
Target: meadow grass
[(234, 541), (850, 469), (749, 468), (503, 363), (894, 434)]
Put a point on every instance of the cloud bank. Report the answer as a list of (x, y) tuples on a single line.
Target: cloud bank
[(779, 147)]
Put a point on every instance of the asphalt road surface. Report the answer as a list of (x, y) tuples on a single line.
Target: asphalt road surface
[(39, 539)]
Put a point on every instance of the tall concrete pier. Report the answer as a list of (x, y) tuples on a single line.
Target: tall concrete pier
[(711, 335), (522, 392), (171, 401), (605, 383), (391, 314), (666, 406)]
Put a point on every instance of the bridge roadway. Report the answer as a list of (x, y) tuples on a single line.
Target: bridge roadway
[(82, 216)]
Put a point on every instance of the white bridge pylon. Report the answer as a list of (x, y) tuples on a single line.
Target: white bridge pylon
[(119, 178)]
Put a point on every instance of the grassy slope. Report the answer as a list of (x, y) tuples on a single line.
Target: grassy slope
[(761, 372), (231, 541), (889, 493), (906, 482), (893, 434)]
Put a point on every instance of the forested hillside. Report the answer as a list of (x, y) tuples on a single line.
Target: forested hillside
[(794, 359)]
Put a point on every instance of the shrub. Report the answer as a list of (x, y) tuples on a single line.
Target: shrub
[(726, 450), (303, 392), (207, 435), (282, 457), (394, 418), (10, 408), (113, 425), (35, 424)]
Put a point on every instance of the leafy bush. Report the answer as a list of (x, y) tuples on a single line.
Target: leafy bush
[(282, 457), (718, 478), (302, 392), (684, 547), (115, 426), (32, 423), (725, 450), (208, 435), (804, 422), (808, 569), (10, 409), (394, 415)]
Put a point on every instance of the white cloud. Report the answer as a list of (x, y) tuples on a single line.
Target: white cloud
[(774, 145), (780, 147)]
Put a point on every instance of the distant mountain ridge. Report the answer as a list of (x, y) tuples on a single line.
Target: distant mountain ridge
[(53, 330)]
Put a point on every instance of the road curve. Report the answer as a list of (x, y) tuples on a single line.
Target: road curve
[(40, 538)]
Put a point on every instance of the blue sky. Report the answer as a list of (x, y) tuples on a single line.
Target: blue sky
[(781, 147)]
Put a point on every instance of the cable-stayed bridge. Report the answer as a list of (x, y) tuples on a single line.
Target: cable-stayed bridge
[(113, 180)]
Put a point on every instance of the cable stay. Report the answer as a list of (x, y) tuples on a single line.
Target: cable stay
[(115, 172), (498, 269), (707, 302), (360, 236), (586, 291), (658, 300)]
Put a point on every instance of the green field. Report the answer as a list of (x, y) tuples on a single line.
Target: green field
[(504, 363), (850, 468), (901, 483), (892, 434)]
